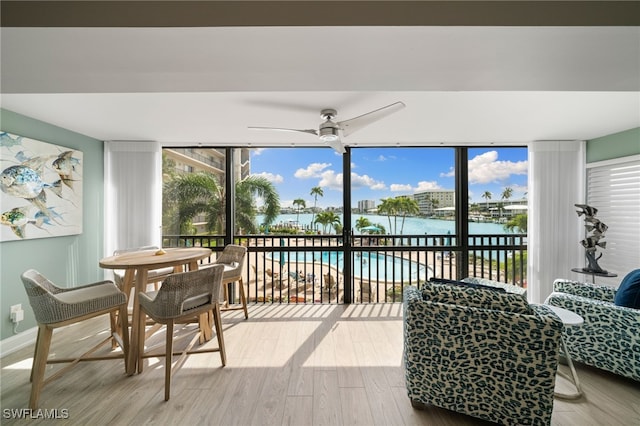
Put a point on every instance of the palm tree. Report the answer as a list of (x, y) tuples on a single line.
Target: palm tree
[(326, 219), (193, 194), (247, 190), (407, 206), (389, 207), (316, 191), (362, 222), (299, 203), (507, 193), (487, 196), (518, 223)]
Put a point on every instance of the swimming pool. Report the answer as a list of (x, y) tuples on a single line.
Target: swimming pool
[(366, 265)]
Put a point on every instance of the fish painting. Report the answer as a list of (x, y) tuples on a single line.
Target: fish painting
[(7, 141), (64, 165), (24, 182), (18, 220), (31, 172)]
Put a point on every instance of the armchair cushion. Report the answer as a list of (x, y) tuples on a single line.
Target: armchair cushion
[(609, 338), (476, 296), (628, 293)]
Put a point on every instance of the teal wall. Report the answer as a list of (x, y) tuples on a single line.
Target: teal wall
[(617, 145), (69, 260)]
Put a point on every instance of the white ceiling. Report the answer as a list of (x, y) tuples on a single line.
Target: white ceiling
[(461, 85)]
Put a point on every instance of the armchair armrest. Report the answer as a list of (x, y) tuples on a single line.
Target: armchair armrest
[(590, 291), (596, 311)]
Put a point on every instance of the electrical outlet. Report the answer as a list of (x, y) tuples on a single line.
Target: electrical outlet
[(17, 314)]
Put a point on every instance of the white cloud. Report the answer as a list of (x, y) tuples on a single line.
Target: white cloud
[(399, 187), (331, 179), (360, 181), (257, 151), (519, 191), (422, 186), (486, 168), (270, 177), (313, 170), (427, 185)]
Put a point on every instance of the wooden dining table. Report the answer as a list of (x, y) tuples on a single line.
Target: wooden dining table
[(137, 265)]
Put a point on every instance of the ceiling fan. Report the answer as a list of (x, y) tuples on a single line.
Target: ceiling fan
[(331, 131)]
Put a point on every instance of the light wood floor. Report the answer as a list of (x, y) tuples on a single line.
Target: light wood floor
[(287, 365)]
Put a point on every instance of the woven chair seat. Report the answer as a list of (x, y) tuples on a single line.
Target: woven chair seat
[(63, 304)]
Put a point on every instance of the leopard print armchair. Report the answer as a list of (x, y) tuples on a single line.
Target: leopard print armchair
[(484, 353), (609, 338)]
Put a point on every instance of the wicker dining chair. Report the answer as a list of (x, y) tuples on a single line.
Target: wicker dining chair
[(183, 297), (56, 307), (233, 258)]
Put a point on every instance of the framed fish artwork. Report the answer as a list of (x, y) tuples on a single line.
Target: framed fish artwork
[(40, 189)]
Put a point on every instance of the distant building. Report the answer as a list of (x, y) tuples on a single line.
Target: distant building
[(430, 200), (366, 206), (211, 160)]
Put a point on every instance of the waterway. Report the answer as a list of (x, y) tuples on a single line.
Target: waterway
[(412, 225)]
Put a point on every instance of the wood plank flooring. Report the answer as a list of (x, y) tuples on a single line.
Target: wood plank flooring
[(286, 365)]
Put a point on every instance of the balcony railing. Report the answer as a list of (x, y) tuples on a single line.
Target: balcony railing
[(311, 268)]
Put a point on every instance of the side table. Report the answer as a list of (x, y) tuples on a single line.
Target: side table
[(569, 319), (594, 274)]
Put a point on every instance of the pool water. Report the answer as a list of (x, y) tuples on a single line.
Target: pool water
[(369, 266)]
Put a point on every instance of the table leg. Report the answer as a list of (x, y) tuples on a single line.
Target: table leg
[(134, 343), (573, 378), (128, 281)]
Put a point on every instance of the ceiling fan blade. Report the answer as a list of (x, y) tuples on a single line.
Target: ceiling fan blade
[(338, 146), (280, 129), (354, 124)]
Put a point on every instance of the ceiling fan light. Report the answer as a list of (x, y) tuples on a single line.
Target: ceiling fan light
[(329, 134)]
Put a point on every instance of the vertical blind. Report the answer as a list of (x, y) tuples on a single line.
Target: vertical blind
[(613, 187)]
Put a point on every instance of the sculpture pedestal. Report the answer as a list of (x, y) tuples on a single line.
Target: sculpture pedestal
[(594, 274)]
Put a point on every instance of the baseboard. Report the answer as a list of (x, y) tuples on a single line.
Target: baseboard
[(18, 341)]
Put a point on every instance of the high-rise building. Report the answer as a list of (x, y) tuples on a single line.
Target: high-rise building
[(366, 206), (433, 199)]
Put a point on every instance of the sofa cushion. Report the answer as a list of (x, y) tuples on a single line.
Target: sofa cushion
[(476, 296), (628, 293)]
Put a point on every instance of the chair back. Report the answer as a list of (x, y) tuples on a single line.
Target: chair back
[(183, 292), (233, 258), (329, 281), (232, 255), (39, 290)]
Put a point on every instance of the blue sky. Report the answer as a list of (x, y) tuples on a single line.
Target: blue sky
[(388, 172)]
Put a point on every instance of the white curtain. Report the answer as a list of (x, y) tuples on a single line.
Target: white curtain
[(133, 194), (556, 183)]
